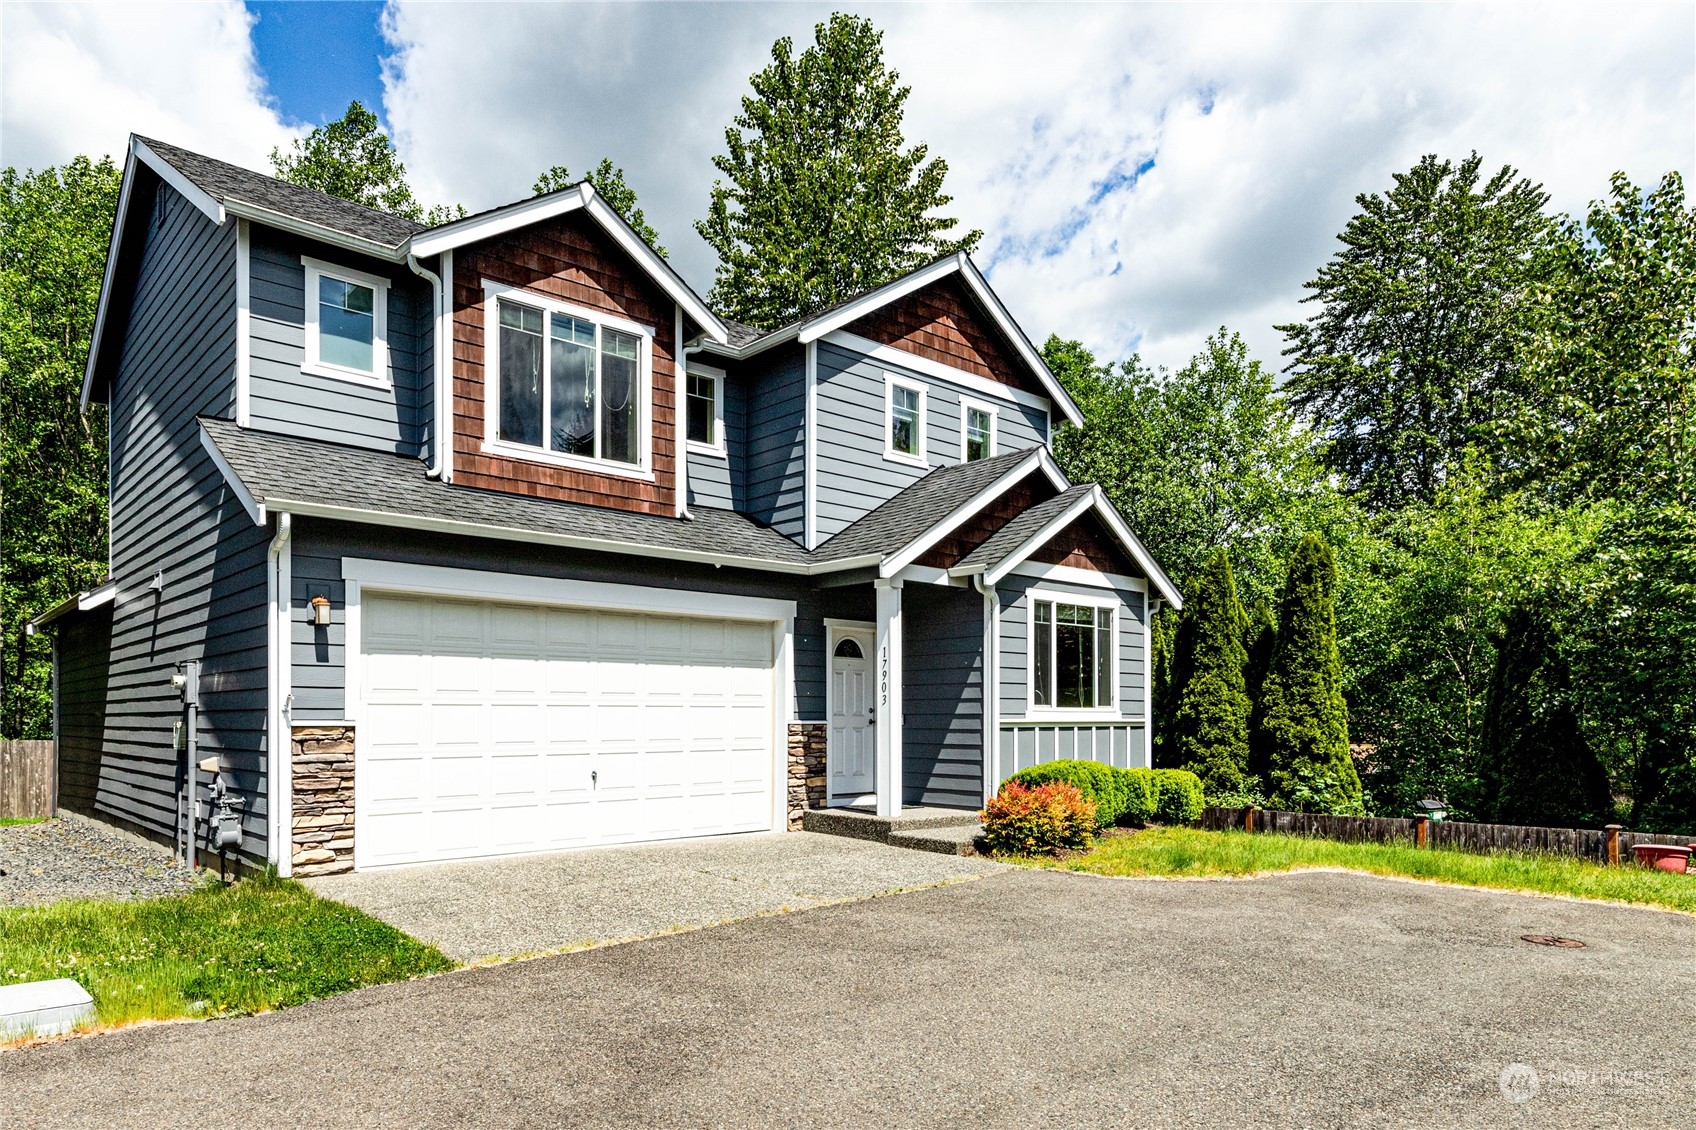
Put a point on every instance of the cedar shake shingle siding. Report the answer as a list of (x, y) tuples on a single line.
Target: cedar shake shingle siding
[(941, 322)]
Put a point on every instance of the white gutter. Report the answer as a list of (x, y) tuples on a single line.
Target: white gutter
[(441, 428), (680, 414), (279, 749)]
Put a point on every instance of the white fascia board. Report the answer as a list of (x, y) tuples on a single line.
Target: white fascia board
[(76, 602), (655, 265), (1072, 575), (1021, 344), (1030, 545), (386, 252), (106, 278), (255, 509), (901, 359), (1139, 552), (865, 304), (95, 597), (909, 553), (758, 345), (190, 191), (499, 222)]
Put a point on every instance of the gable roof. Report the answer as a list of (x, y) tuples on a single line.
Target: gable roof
[(833, 318), (1005, 542)]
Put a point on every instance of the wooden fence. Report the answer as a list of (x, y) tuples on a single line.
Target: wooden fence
[(29, 779), (1589, 843)]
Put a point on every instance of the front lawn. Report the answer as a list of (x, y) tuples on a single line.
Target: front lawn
[(260, 944), (1189, 853)]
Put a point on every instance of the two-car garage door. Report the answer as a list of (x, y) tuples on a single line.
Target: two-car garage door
[(491, 728)]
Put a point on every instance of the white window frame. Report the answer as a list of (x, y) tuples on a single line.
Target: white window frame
[(1093, 600), (643, 468), (316, 270), (967, 404), (717, 447), (891, 382)]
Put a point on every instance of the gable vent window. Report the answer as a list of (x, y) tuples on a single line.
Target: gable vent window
[(569, 385), (1071, 656), (346, 324)]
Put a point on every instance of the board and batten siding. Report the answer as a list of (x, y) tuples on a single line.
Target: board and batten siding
[(285, 398), (942, 696), (720, 480), (776, 465), (175, 518), (1026, 740), (853, 476)]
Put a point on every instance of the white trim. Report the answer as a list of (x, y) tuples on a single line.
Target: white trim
[(378, 375), (921, 457), (1037, 458), (901, 359), (1073, 575), (1095, 714), (353, 657), (929, 575), (969, 405), (717, 376), (493, 294), (279, 748), (1075, 718), (98, 596), (849, 625), (105, 297), (1039, 537), (810, 456), (190, 191), (1148, 678), (877, 299), (834, 629), (255, 509), (887, 685), (1139, 552), (991, 688), (244, 338), (445, 414), (387, 252)]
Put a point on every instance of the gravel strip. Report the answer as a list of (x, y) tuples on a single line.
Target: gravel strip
[(71, 858)]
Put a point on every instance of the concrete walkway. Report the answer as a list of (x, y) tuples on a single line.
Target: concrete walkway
[(533, 904)]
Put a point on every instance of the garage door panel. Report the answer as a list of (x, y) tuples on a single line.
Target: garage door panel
[(495, 728)]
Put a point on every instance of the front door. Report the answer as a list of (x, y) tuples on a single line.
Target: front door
[(851, 754)]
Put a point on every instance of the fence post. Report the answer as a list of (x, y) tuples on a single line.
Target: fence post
[(1421, 825), (1613, 844), (1248, 818)]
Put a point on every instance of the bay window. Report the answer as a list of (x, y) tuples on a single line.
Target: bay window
[(1071, 655)]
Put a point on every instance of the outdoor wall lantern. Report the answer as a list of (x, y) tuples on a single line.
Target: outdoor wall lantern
[(321, 611), (1436, 809)]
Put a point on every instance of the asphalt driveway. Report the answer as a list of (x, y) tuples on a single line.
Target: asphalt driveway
[(545, 903), (1022, 999)]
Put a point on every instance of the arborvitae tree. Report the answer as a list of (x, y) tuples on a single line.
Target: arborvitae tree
[(1210, 723), (610, 186), (821, 197), (1259, 641), (1538, 769), (1162, 639), (1303, 718)]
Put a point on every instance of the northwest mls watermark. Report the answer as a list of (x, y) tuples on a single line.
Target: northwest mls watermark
[(1520, 1082)]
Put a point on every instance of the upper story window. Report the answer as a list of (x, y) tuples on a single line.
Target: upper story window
[(1071, 655), (704, 410), (346, 324), (904, 425), (566, 384), (977, 430)]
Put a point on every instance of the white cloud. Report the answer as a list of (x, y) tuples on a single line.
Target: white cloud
[(80, 78)]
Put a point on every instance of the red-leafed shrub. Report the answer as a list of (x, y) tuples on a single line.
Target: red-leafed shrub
[(1025, 821)]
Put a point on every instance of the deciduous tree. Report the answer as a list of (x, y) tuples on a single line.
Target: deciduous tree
[(354, 159), (611, 186)]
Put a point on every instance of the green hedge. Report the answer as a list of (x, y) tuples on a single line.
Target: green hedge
[(1125, 796)]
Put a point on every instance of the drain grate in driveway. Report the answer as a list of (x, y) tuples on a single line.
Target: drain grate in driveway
[(1552, 940)]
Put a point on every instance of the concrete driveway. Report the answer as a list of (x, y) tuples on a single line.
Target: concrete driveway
[(1023, 999), (545, 903)]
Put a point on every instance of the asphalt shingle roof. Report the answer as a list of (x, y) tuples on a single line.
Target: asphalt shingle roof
[(897, 522), (279, 467), (1011, 536), (225, 182)]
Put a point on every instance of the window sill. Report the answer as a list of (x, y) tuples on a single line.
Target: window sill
[(351, 376), (714, 450), (1050, 716), (570, 462), (903, 457)]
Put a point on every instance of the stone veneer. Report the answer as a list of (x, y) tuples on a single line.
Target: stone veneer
[(806, 769), (323, 799)]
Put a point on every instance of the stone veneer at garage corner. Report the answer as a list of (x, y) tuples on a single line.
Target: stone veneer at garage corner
[(323, 800), (806, 779)]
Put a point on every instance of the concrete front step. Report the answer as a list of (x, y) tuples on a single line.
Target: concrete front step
[(946, 830)]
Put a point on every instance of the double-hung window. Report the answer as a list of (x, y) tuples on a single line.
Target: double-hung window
[(1071, 655), (977, 430), (346, 324), (567, 384), (904, 423), (704, 410)]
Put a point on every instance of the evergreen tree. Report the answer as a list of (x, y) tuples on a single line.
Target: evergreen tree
[(820, 199), (354, 159), (611, 186), (1539, 769), (1259, 641), (1303, 718), (1162, 638), (1210, 722)]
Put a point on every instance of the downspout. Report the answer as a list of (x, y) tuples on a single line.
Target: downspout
[(680, 414), (991, 682), (438, 322), (278, 747)]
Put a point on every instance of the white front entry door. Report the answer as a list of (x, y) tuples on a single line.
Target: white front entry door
[(851, 751), (488, 728)]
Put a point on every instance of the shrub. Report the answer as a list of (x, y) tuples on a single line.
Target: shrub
[(1103, 784), (1180, 800), (1142, 795), (1049, 818)]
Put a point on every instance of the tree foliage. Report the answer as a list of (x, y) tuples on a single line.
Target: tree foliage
[(611, 186), (1210, 718), (54, 228), (820, 196), (1303, 717), (353, 158), (1415, 352)]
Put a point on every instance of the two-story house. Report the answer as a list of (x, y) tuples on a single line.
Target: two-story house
[(493, 538)]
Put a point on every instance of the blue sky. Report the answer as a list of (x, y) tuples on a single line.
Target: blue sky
[(319, 55)]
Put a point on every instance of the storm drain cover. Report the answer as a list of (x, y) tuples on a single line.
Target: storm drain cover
[(1552, 940)]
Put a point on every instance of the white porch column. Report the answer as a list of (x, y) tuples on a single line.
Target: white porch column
[(888, 723)]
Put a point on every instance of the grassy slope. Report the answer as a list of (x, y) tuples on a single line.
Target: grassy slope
[(263, 943), (1186, 852)]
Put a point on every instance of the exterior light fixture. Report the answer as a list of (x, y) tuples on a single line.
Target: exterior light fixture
[(1436, 809), (321, 611)]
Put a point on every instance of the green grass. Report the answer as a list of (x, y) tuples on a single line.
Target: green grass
[(9, 821), (260, 944), (1189, 853)]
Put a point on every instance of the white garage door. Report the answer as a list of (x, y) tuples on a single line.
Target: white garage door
[(491, 729)]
